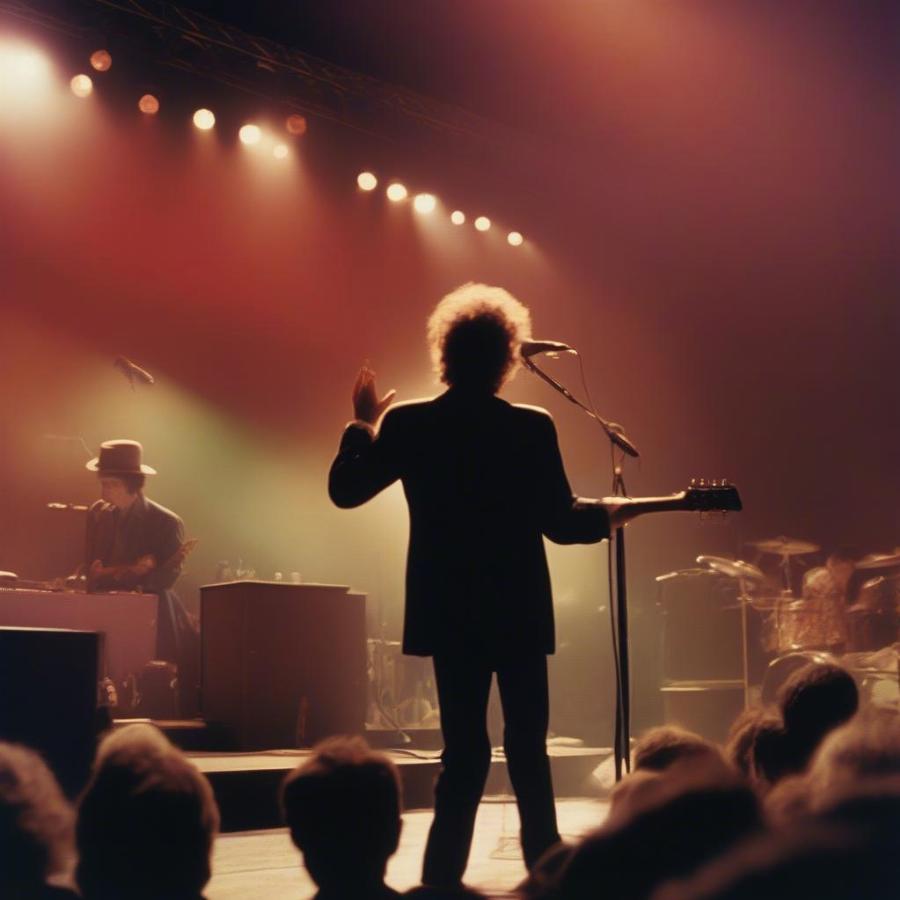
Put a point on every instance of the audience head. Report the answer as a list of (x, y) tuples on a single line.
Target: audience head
[(866, 747), (343, 810), (146, 821), (697, 812), (772, 756), (814, 701), (788, 801), (36, 822), (660, 747), (474, 334), (813, 859), (741, 741), (543, 877)]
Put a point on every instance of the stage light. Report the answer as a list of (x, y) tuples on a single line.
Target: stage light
[(82, 86), (424, 203), (249, 134), (280, 151), (149, 105), (295, 124), (21, 66), (515, 239), (366, 181), (482, 223), (458, 217), (101, 60), (204, 119), (396, 192)]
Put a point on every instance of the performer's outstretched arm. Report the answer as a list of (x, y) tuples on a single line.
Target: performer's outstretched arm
[(365, 463)]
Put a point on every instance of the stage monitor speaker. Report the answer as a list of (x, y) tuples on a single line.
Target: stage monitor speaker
[(48, 697), (284, 665), (706, 707)]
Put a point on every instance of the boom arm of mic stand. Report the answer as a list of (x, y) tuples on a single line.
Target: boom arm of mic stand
[(613, 432)]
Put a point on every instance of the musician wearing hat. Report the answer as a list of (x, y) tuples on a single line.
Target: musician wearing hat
[(133, 543)]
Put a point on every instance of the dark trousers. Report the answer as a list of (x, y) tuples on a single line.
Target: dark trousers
[(463, 685)]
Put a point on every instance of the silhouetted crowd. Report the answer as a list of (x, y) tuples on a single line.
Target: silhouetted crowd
[(802, 801)]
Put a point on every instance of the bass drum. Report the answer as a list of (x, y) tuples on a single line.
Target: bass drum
[(783, 667)]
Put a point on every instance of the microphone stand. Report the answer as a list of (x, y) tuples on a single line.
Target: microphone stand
[(617, 438)]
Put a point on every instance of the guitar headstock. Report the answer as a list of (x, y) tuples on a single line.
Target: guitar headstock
[(709, 496)]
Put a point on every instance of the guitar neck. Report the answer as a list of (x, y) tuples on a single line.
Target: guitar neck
[(698, 498), (639, 506)]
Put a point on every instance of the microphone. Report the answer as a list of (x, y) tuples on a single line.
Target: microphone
[(66, 507), (132, 371), (616, 434), (532, 348)]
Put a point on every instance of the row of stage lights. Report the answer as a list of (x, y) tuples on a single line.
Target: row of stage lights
[(204, 119), (427, 203), (250, 134)]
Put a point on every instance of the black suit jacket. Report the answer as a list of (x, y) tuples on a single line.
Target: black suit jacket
[(149, 528), (484, 481)]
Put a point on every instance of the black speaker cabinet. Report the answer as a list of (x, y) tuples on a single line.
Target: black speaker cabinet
[(284, 665), (701, 628), (48, 697)]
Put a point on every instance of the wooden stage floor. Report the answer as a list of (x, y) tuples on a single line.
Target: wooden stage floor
[(254, 864), (246, 784)]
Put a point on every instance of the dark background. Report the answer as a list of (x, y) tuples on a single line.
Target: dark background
[(709, 198)]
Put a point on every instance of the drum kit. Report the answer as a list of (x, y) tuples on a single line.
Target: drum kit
[(793, 627)]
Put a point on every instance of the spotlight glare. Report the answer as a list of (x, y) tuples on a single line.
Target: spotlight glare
[(101, 60), (204, 119), (81, 86), (366, 181), (424, 203), (296, 124), (482, 223), (149, 105), (515, 239), (249, 134), (280, 151), (22, 69), (396, 192), (458, 217)]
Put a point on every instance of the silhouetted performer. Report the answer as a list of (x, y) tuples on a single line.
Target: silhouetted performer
[(485, 482)]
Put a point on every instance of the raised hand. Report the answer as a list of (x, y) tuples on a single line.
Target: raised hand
[(366, 405)]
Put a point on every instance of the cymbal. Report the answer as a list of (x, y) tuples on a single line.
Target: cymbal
[(784, 546), (733, 568), (879, 561)]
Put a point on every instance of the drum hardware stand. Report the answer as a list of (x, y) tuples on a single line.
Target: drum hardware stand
[(744, 599), (787, 574), (617, 439), (378, 672)]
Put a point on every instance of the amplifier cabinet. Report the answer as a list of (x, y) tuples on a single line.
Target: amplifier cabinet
[(127, 621), (707, 707), (283, 665), (48, 697)]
